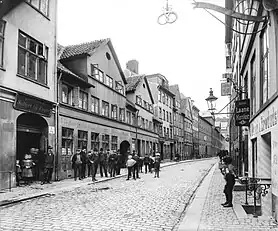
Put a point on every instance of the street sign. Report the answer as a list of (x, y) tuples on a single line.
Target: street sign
[(225, 89), (242, 112)]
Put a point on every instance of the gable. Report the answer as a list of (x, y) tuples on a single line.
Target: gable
[(144, 91), (107, 61)]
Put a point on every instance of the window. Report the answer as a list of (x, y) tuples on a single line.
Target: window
[(163, 97), (128, 117), (143, 123), (253, 85), (94, 141), (160, 113), (95, 105), (145, 105), (167, 116), (82, 139), (114, 111), (168, 132), (83, 100), (146, 124), (122, 115), (139, 100), (164, 131), (133, 119), (32, 59), (105, 108), (151, 126), (114, 143), (265, 85), (170, 117), (67, 94), (167, 99), (171, 133), (109, 81), (105, 142), (151, 108), (159, 95), (163, 114), (67, 141), (41, 5), (2, 33), (97, 73), (119, 87)]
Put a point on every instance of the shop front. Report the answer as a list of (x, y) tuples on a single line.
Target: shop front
[(262, 156), (27, 128)]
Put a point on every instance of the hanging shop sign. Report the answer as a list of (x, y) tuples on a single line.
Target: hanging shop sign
[(34, 105), (242, 112), (225, 89)]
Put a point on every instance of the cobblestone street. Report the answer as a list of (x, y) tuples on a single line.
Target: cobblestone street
[(145, 204)]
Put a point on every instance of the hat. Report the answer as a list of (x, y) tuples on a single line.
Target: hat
[(49, 147)]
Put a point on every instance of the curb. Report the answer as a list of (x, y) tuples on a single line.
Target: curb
[(191, 222), (66, 188)]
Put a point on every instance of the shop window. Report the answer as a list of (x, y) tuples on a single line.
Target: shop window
[(114, 111), (83, 100), (95, 105), (2, 34), (82, 139), (122, 115), (114, 143), (105, 142), (32, 59), (67, 141), (109, 81), (67, 94), (94, 141), (105, 109), (41, 5)]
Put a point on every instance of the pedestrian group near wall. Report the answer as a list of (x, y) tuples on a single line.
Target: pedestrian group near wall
[(227, 169)]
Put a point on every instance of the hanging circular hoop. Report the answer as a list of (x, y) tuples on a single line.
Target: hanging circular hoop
[(167, 17)]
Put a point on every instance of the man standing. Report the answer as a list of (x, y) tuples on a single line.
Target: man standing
[(118, 162), (76, 164), (102, 163), (48, 165), (112, 163), (84, 160), (94, 160), (136, 165)]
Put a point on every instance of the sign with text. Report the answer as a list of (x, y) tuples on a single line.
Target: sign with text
[(225, 89), (242, 112), (34, 105)]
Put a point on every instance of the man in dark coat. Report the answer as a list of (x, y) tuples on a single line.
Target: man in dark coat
[(230, 182), (102, 163), (93, 158), (147, 163), (76, 164), (112, 159), (84, 160), (118, 163), (48, 165)]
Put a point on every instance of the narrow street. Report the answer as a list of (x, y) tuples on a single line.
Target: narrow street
[(145, 204)]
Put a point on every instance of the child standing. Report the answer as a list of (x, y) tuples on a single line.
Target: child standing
[(129, 164), (156, 165)]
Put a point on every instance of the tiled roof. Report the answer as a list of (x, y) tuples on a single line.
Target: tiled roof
[(81, 49), (60, 50), (133, 82)]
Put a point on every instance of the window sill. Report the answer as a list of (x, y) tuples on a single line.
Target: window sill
[(38, 11), (2, 68), (34, 81)]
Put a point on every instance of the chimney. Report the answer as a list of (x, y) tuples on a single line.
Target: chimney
[(132, 65)]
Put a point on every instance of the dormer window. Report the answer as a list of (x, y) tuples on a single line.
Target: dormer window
[(139, 100)]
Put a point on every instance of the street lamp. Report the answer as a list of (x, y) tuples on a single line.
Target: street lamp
[(211, 101)]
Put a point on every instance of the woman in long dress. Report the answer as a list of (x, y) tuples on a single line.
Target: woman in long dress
[(27, 165)]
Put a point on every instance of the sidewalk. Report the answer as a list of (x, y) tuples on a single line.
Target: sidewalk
[(35, 190), (206, 213)]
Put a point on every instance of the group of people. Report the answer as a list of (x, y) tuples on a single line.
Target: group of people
[(135, 163), (35, 166), (227, 169), (108, 162)]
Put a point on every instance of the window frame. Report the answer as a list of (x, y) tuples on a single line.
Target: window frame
[(96, 106), (39, 8), (114, 143), (2, 42), (68, 138), (95, 143), (122, 114), (97, 73), (82, 140), (114, 111), (84, 103), (105, 142), (70, 93), (109, 81), (103, 110), (117, 85), (29, 53)]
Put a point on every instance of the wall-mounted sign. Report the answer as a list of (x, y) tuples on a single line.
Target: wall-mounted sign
[(242, 112), (225, 89), (34, 105)]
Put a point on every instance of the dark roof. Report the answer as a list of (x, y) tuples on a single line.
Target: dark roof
[(82, 49), (62, 68), (133, 82)]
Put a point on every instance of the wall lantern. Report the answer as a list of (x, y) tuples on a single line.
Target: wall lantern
[(211, 101)]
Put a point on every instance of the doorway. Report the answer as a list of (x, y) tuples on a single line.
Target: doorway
[(31, 138), (124, 150)]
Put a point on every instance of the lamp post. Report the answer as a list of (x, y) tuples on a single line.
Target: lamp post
[(211, 101)]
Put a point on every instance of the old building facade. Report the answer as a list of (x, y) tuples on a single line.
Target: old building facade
[(27, 83), (195, 130)]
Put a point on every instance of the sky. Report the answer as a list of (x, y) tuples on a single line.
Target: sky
[(189, 52)]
